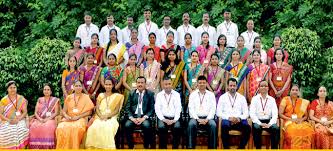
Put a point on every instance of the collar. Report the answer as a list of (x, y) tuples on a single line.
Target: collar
[(166, 93), (137, 91)]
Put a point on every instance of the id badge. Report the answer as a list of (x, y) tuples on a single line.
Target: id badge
[(258, 79), (75, 110), (89, 82), (48, 114), (95, 61), (134, 85), (262, 114), (206, 61), (215, 82), (72, 87), (108, 111), (324, 119), (18, 113), (173, 76), (189, 60), (220, 62), (294, 116), (279, 78), (194, 80)]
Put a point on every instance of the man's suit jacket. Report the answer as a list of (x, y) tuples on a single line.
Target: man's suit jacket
[(147, 103)]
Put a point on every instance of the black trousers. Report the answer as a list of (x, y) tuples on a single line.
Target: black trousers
[(192, 133), (163, 134), (147, 133), (274, 131), (242, 126)]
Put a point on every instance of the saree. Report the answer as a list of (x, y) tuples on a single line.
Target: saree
[(296, 136), (245, 53), (279, 79), (187, 53), (89, 77), (70, 133), (238, 72), (13, 136), (150, 72), (130, 79), (256, 75), (70, 78), (98, 52), (156, 52), (100, 134), (137, 50), (323, 135), (42, 135), (79, 55), (192, 76), (175, 74), (214, 77), (115, 73), (119, 50), (205, 54), (270, 54), (224, 56)]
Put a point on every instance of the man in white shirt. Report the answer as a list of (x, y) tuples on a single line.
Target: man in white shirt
[(185, 28), (126, 32), (264, 115), (232, 108), (105, 31), (205, 27), (249, 35), (162, 32), (228, 28), (168, 107), (147, 27), (202, 107), (86, 30)]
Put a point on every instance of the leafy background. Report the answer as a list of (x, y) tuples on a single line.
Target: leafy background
[(35, 34)]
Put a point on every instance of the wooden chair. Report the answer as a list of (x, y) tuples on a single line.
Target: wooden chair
[(234, 133), (266, 135)]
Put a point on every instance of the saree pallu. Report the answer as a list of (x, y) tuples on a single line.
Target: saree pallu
[(245, 53), (150, 72), (115, 73), (70, 133), (156, 52), (90, 75), (323, 134), (284, 72), (193, 74), (296, 136), (205, 54), (239, 72), (256, 75), (100, 134), (70, 78), (224, 56), (42, 135), (137, 50), (270, 54), (215, 75), (187, 54), (131, 78), (79, 55), (98, 52), (119, 50), (177, 71), (13, 136)]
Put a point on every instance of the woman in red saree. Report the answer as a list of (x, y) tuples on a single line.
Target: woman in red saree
[(76, 51), (321, 111), (279, 77), (43, 125), (95, 49), (277, 41)]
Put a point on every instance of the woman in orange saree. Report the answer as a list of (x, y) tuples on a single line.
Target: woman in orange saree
[(14, 131), (298, 134), (77, 107), (279, 77), (321, 111), (43, 125)]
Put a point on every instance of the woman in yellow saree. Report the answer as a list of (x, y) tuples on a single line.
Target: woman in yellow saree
[(77, 107), (101, 133), (298, 134)]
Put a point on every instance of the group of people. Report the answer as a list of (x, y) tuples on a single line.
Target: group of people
[(203, 73)]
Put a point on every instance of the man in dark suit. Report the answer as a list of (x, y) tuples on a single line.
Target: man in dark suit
[(139, 110)]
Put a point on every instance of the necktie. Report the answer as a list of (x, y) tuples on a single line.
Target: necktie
[(140, 105)]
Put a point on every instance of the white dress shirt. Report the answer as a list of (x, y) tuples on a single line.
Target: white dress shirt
[(168, 105), (211, 31), (249, 39), (126, 33), (162, 32), (229, 106), (105, 34), (260, 111), (145, 29), (230, 30), (85, 32), (182, 30), (139, 104), (205, 108)]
